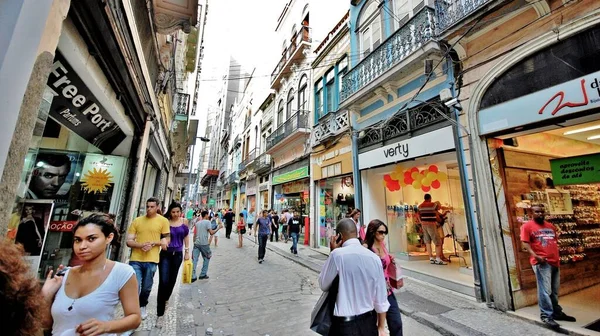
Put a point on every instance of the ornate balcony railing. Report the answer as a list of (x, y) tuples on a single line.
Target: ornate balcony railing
[(262, 163), (181, 102), (404, 122), (293, 124), (303, 35), (248, 160), (450, 12), (331, 124), (404, 42), (233, 177)]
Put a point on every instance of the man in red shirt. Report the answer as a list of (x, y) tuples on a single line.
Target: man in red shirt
[(539, 239)]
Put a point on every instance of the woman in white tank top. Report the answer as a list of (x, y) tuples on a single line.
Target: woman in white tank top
[(83, 301)]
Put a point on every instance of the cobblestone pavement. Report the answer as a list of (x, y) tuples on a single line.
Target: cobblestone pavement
[(243, 297)]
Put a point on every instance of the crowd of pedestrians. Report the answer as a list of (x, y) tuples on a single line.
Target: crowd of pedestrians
[(81, 300)]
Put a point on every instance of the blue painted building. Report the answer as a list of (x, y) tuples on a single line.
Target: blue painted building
[(404, 139)]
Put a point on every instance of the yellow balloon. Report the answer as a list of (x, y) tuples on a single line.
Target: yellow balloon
[(426, 182), (394, 176), (399, 170), (442, 177), (431, 176), (416, 184), (414, 175), (402, 183)]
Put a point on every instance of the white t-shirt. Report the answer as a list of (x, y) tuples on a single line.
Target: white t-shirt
[(99, 304)]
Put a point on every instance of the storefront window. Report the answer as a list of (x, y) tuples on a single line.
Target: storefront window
[(336, 201)]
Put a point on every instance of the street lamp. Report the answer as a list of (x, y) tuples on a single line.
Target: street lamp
[(189, 189)]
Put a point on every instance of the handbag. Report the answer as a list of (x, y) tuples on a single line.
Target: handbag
[(321, 317), (188, 268), (395, 273)]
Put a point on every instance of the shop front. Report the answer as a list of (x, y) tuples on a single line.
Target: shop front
[(263, 189), (251, 195), (543, 143), (291, 192), (334, 187), (70, 171), (243, 204), (395, 179)]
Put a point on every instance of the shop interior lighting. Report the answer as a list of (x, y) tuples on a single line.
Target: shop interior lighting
[(581, 130), (594, 137)]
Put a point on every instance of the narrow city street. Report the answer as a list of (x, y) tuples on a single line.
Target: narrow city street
[(243, 297)]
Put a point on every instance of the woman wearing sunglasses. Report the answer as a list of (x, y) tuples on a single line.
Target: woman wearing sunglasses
[(374, 241)]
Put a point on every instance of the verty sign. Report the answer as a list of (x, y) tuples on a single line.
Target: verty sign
[(571, 97), (576, 170), (433, 142), (75, 107)]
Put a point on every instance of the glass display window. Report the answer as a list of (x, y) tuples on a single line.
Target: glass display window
[(336, 201)]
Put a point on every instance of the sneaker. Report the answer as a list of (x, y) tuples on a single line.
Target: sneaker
[(563, 317), (160, 321), (440, 262), (144, 313), (551, 324), (431, 261), (260, 261), (203, 277)]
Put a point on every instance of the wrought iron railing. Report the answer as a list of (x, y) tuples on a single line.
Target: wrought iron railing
[(181, 103), (404, 122), (405, 41), (247, 160), (450, 12), (293, 124), (262, 163), (233, 177), (331, 124)]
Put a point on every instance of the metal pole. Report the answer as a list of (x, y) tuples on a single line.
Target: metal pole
[(191, 167)]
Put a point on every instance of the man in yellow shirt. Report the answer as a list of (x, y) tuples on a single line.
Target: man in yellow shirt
[(146, 236)]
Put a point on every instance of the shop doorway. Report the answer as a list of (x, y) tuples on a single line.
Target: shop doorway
[(557, 168), (397, 205)]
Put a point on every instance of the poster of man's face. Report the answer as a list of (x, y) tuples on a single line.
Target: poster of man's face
[(52, 176)]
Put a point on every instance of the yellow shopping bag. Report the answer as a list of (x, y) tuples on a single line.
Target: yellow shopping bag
[(187, 271)]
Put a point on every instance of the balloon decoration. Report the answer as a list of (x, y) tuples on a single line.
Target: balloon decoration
[(427, 179)]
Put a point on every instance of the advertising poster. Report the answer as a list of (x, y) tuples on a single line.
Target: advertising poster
[(32, 230), (53, 175)]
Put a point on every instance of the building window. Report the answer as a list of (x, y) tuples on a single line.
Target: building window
[(290, 104), (319, 99), (331, 170), (402, 11), (330, 91), (370, 28), (280, 115), (342, 69), (302, 102)]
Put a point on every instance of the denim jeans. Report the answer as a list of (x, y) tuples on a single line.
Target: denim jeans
[(203, 250), (393, 317), (295, 237), (168, 269), (144, 272), (548, 282), (262, 245)]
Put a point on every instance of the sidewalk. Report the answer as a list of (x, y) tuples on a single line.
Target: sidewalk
[(447, 312)]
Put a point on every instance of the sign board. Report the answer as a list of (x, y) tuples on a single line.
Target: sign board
[(291, 176), (211, 201), (75, 107), (574, 96), (433, 142), (576, 170), (62, 226)]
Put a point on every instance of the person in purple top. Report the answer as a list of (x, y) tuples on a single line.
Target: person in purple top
[(171, 258)]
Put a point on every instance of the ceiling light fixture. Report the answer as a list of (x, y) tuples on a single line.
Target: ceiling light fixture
[(594, 137), (581, 130)]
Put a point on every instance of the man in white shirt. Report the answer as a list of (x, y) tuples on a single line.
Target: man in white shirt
[(362, 295)]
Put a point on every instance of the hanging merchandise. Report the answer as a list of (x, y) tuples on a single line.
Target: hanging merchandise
[(427, 179)]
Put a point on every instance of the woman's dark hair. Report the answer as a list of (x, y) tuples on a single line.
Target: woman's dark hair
[(102, 221), (372, 231), (172, 206), (242, 214), (19, 293)]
